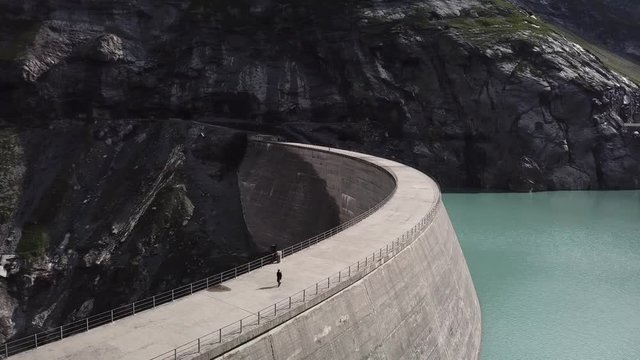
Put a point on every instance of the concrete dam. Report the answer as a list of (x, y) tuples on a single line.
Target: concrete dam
[(382, 276)]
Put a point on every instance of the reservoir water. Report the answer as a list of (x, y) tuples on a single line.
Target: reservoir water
[(557, 273)]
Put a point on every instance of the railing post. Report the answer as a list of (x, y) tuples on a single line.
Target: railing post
[(220, 335), (249, 267), (261, 262), (191, 288), (134, 308), (198, 345), (36, 337), (87, 324), (258, 317), (153, 298), (61, 333), (275, 309), (316, 288), (235, 272), (175, 354), (207, 283), (349, 270), (289, 302), (358, 265), (304, 295), (339, 275), (328, 282), (111, 315), (240, 326), (172, 295), (220, 278)]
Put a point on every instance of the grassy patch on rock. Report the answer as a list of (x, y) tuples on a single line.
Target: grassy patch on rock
[(34, 242), (26, 34), (11, 171), (497, 21)]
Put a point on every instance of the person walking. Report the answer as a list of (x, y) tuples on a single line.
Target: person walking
[(279, 277)]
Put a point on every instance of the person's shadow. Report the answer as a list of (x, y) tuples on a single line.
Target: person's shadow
[(268, 287)]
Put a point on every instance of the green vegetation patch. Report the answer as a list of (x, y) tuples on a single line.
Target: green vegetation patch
[(26, 35), (497, 28), (11, 171), (34, 242), (498, 20)]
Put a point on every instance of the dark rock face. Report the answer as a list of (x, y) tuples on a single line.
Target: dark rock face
[(473, 92), (462, 89), (107, 213), (613, 23)]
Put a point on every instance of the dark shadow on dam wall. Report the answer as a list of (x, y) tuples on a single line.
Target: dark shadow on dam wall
[(283, 199), (291, 193)]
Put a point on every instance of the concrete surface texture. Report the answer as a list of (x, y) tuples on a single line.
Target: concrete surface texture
[(420, 304), (289, 185), (278, 187), (354, 184)]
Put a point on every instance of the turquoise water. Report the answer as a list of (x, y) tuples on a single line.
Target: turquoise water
[(557, 274)]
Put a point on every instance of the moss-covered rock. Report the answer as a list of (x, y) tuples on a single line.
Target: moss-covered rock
[(34, 242), (25, 32), (498, 21), (12, 170)]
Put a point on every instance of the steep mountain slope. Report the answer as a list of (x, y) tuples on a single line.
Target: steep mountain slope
[(612, 23), (474, 92), (103, 214)]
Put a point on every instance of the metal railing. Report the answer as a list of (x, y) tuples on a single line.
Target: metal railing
[(48, 336), (266, 318)]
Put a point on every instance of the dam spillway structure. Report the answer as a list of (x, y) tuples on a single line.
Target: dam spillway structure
[(387, 280)]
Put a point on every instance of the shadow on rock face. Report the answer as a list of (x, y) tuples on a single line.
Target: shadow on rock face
[(113, 212)]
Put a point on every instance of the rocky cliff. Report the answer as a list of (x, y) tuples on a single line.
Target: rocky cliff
[(476, 93), (102, 214)]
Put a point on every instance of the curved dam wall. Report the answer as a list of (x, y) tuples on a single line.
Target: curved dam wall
[(421, 304), (393, 285), (291, 193)]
